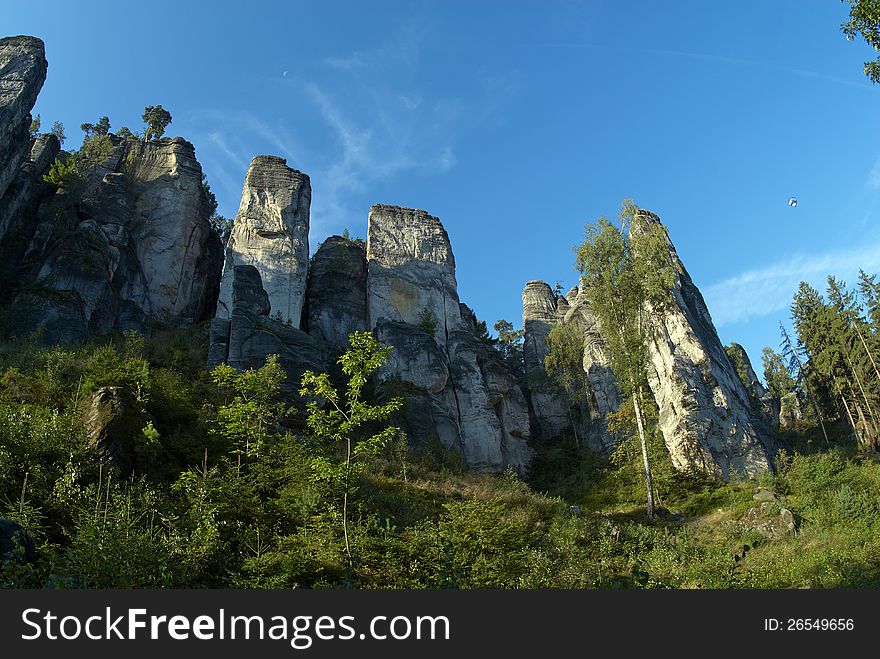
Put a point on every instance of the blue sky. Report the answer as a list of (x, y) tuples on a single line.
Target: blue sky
[(516, 123)]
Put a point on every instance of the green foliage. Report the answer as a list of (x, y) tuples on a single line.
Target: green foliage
[(35, 127), (428, 321), (251, 414), (156, 118), (102, 127), (340, 422), (58, 131), (776, 374), (864, 20), (71, 169), (510, 344)]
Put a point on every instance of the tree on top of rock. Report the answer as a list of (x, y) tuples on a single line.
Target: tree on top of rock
[(97, 129), (157, 119)]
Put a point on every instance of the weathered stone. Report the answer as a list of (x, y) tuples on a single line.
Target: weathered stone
[(336, 297), (548, 401), (556, 411), (16, 544), (770, 520), (131, 248), (704, 410), (761, 400), (438, 361), (114, 422), (250, 335), (791, 413), (248, 293), (271, 232), (410, 270), (26, 189), (22, 74), (763, 494)]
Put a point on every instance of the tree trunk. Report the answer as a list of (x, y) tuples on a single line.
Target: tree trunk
[(816, 409), (867, 350), (852, 422), (649, 483), (871, 414)]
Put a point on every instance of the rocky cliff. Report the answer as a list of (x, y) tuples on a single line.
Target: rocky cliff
[(129, 247), (401, 285), (583, 409), (271, 231), (706, 412), (22, 74)]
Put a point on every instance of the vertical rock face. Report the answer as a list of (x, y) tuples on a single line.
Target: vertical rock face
[(705, 413), (761, 400), (410, 269), (271, 232), (129, 248), (24, 192), (251, 334), (457, 390), (540, 314), (22, 74), (597, 397), (336, 297)]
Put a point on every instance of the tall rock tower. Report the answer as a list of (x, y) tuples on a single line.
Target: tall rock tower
[(271, 232)]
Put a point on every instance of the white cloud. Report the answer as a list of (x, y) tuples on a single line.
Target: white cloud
[(764, 291)]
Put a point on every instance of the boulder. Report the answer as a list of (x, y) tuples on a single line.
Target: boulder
[(271, 232), (114, 422), (16, 544)]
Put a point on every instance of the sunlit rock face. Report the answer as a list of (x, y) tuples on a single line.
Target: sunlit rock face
[(22, 74), (458, 392), (271, 232), (707, 420), (131, 248)]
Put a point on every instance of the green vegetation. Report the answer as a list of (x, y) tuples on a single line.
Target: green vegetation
[(229, 489), (428, 321), (628, 275), (864, 20), (156, 118)]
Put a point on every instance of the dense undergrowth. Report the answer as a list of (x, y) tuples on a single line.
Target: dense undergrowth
[(224, 494)]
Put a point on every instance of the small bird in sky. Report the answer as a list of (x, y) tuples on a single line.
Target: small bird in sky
[(792, 202), (284, 74)]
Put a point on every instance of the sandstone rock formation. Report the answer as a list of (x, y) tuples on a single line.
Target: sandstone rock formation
[(271, 231), (705, 413), (251, 334), (585, 413), (129, 248), (549, 402), (761, 400), (114, 422), (410, 270), (336, 296), (22, 73), (450, 377)]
